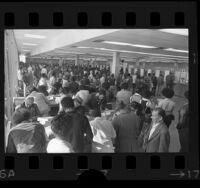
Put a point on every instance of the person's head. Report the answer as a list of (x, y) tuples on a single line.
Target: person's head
[(168, 93), (20, 115), (42, 89), (136, 107), (73, 78), (67, 104), (61, 125), (29, 101), (158, 115), (78, 102), (124, 85), (33, 89), (186, 94), (93, 113), (121, 105)]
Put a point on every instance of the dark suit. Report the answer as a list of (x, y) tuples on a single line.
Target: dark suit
[(159, 140)]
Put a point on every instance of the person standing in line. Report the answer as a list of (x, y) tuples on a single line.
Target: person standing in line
[(183, 126), (126, 124), (157, 138), (103, 131), (160, 84), (154, 82), (167, 105)]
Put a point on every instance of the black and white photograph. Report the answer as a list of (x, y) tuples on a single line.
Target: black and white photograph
[(96, 90)]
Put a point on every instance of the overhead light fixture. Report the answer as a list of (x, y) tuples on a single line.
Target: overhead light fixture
[(30, 44), (135, 52), (129, 44), (176, 31), (35, 36), (176, 50), (25, 50)]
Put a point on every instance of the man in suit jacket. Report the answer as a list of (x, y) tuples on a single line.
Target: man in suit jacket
[(157, 138)]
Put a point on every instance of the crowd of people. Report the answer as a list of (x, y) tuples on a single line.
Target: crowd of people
[(142, 111)]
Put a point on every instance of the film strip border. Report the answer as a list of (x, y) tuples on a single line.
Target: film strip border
[(111, 167), (149, 15), (115, 15)]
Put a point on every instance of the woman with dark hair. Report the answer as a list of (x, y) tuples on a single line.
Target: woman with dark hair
[(26, 136), (61, 126), (167, 105)]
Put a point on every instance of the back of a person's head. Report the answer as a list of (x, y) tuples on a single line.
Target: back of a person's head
[(61, 124), (67, 102), (33, 89), (124, 85), (168, 93), (42, 89), (20, 115), (94, 113)]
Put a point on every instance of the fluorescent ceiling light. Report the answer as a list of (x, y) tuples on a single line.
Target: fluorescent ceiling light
[(129, 44), (135, 52), (25, 50), (30, 44), (176, 31), (35, 36), (175, 50)]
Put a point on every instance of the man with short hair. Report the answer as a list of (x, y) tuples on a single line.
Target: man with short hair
[(157, 138)]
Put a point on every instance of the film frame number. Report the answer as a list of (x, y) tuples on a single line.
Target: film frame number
[(4, 174)]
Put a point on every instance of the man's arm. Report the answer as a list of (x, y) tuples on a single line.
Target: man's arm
[(164, 141)]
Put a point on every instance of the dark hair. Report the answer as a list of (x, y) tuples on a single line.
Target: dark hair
[(33, 89), (94, 113), (66, 90), (161, 113), (73, 78), (124, 85), (168, 93), (20, 115), (186, 94), (44, 75), (61, 125), (43, 89), (136, 106), (67, 102)]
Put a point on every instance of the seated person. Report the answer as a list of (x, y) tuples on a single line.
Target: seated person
[(31, 106), (41, 101), (26, 136), (60, 125), (103, 133), (97, 100)]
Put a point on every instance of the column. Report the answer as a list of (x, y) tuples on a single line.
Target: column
[(76, 60), (115, 65)]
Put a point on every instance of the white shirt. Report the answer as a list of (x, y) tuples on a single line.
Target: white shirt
[(153, 128), (84, 95), (58, 146), (103, 132), (134, 78)]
